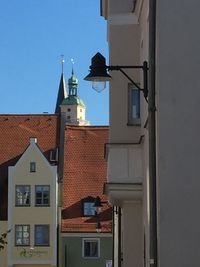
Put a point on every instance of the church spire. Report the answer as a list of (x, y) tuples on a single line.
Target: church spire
[(62, 91)]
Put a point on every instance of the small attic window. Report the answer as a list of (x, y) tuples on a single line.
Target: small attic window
[(54, 154), (32, 166), (69, 109)]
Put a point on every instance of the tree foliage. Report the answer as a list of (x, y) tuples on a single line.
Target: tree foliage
[(3, 241)]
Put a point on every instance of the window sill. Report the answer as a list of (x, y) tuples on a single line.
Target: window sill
[(42, 206)]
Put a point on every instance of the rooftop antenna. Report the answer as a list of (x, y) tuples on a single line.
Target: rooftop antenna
[(62, 63)]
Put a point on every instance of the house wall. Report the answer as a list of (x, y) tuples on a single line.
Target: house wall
[(72, 251), (31, 215), (178, 94), (119, 55), (132, 229)]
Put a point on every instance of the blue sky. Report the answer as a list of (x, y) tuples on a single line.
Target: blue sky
[(34, 34)]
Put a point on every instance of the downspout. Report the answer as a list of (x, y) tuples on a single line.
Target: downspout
[(152, 135), (119, 238), (60, 188)]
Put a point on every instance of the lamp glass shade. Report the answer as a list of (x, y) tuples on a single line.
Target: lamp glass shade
[(98, 86)]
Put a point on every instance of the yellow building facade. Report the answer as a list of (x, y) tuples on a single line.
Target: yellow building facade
[(32, 211)]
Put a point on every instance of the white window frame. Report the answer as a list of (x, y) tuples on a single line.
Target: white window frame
[(32, 166), (97, 240), (23, 244), (131, 120), (23, 199), (42, 245), (42, 199), (88, 211)]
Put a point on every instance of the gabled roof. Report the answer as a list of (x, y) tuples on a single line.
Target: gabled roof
[(15, 132), (84, 175)]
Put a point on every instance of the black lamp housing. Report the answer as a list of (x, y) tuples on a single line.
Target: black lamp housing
[(98, 69)]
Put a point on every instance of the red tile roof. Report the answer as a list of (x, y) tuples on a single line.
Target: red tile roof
[(84, 175), (15, 132)]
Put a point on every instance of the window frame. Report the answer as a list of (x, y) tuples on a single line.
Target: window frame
[(96, 240), (22, 225), (35, 232), (131, 120), (42, 204), (88, 200), (32, 166), (22, 205)]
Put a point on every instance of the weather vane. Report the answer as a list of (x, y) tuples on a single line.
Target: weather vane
[(72, 61), (62, 62)]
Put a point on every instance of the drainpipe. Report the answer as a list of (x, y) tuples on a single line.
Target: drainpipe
[(152, 135), (119, 238), (60, 188)]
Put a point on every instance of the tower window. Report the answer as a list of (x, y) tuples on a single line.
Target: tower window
[(69, 109)]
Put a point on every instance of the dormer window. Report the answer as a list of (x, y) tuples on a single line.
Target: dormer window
[(32, 166), (54, 154), (88, 207)]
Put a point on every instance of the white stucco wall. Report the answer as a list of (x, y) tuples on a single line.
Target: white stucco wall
[(178, 89)]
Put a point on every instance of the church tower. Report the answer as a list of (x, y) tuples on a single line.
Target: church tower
[(72, 106)]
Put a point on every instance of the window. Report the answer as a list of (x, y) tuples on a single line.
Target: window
[(91, 248), (42, 195), (54, 154), (32, 166), (69, 109), (42, 235), (133, 106), (22, 235), (88, 206), (22, 195)]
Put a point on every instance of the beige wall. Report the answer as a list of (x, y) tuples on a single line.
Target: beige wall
[(128, 45), (132, 238)]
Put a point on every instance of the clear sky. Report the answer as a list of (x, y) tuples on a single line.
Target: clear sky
[(33, 36)]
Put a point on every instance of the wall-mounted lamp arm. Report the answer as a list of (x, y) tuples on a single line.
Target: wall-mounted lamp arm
[(144, 67)]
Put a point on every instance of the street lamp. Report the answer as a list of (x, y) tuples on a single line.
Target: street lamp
[(98, 207), (98, 204), (98, 74)]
